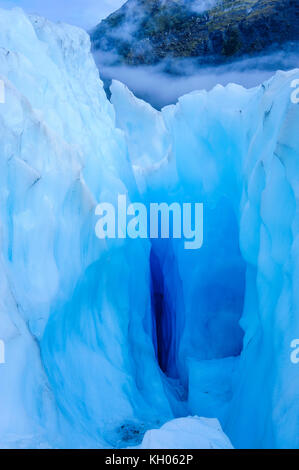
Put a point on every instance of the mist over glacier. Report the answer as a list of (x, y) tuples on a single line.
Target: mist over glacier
[(108, 340), (159, 87), (164, 49)]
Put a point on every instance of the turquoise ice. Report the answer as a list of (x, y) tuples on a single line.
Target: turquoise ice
[(107, 339)]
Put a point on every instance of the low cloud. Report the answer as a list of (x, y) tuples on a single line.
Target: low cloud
[(155, 85), (199, 6)]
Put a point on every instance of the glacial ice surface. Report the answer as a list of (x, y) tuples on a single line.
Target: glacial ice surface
[(235, 150), (105, 339), (191, 432)]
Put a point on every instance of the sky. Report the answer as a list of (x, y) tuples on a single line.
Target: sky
[(84, 13)]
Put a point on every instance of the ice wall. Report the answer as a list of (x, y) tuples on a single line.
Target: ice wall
[(74, 316), (236, 150)]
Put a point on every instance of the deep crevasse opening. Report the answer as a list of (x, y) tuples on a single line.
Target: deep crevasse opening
[(197, 296), (198, 348), (217, 306), (221, 148), (164, 320)]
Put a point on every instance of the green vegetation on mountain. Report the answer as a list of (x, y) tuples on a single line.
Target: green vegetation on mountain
[(148, 31)]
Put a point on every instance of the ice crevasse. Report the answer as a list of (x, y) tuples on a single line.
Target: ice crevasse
[(107, 339)]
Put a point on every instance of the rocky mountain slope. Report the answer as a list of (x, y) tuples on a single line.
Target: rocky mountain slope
[(148, 31)]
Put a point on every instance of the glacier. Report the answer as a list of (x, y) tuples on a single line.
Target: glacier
[(108, 340)]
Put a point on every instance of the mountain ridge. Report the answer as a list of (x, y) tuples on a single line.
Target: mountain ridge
[(146, 32)]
